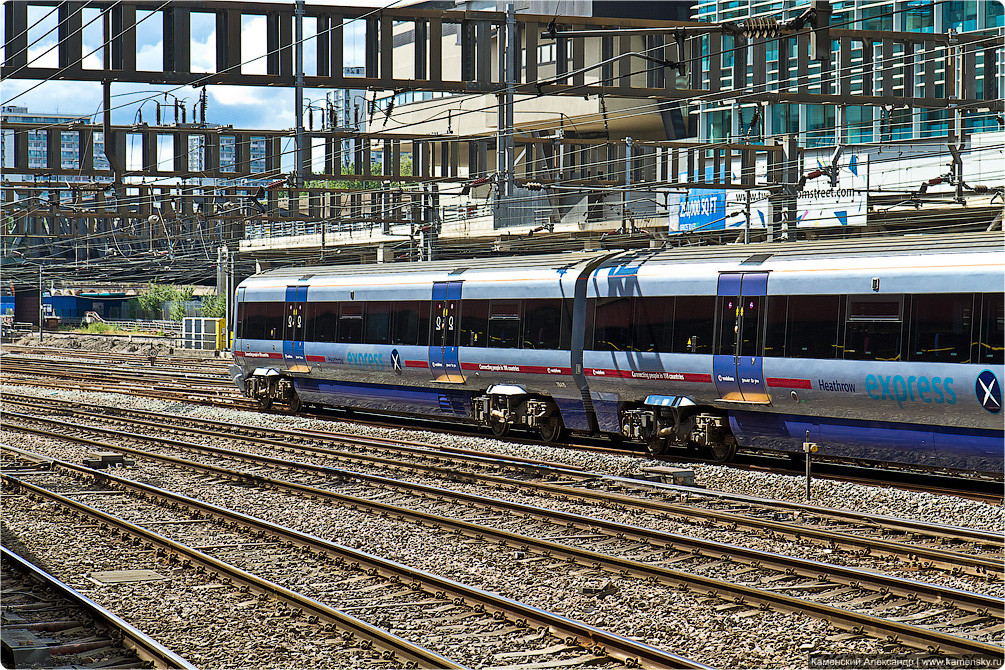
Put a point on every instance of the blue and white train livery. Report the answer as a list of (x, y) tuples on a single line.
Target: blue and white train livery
[(885, 350)]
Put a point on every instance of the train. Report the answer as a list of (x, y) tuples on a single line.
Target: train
[(873, 350)]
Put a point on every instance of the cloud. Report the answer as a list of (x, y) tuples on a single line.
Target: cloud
[(253, 45), (150, 57)]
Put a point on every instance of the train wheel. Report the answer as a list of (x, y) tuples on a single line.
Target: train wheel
[(721, 452), (657, 446), (551, 428), (294, 402), (499, 428), (264, 403)]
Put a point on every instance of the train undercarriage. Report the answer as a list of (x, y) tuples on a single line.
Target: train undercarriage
[(661, 422)]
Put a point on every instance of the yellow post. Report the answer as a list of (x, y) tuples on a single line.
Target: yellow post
[(221, 334)]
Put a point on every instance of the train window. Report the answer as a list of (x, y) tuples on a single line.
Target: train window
[(504, 324), (565, 341), (274, 320), (992, 329), (611, 324), (424, 307), (812, 326), (774, 325), (874, 329), (941, 327), (653, 327), (727, 314), (322, 319), (870, 309), (749, 336), (376, 324), (542, 324), (239, 329), (350, 323), (474, 323), (264, 321), (405, 322), (254, 324), (692, 324)]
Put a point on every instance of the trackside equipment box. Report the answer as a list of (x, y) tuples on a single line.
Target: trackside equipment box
[(198, 332)]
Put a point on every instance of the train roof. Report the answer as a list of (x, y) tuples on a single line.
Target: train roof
[(907, 245), (745, 254), (551, 262)]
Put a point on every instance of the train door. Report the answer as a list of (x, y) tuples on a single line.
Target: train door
[(293, 329), (736, 364), (446, 307)]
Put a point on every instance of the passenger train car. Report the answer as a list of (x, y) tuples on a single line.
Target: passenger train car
[(886, 350)]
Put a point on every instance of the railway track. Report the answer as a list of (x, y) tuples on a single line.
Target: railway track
[(47, 624), (265, 557), (927, 546), (884, 604), (173, 382)]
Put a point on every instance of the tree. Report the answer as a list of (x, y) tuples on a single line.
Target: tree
[(183, 294), (151, 301), (375, 169), (214, 306)]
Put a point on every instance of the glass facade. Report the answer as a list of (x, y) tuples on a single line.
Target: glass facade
[(69, 144), (817, 124)]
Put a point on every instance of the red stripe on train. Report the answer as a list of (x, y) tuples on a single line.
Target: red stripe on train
[(651, 375), (780, 382), (526, 369)]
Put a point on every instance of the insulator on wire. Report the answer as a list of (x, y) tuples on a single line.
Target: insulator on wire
[(761, 26)]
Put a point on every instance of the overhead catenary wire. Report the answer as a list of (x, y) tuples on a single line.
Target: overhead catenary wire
[(622, 114), (472, 110)]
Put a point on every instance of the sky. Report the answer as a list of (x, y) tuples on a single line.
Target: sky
[(240, 106)]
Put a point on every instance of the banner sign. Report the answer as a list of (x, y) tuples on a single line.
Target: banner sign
[(817, 205)]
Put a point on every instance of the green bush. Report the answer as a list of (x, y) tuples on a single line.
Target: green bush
[(182, 295), (151, 301), (214, 306)]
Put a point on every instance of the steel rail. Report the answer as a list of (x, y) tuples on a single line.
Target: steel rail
[(902, 633), (19, 365), (601, 642), (933, 557), (877, 520), (880, 583), (837, 463), (229, 400), (145, 647), (419, 449), (880, 521), (405, 649), (182, 360)]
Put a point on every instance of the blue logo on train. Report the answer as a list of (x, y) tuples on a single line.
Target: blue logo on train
[(989, 391)]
